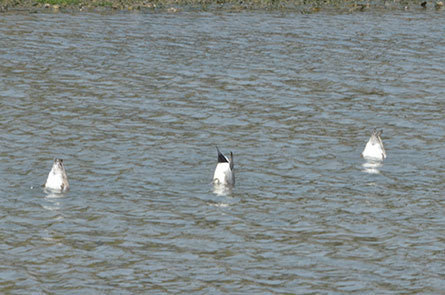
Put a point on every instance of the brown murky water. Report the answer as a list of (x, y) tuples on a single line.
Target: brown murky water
[(135, 104)]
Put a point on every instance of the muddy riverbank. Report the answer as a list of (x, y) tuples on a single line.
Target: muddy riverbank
[(304, 6)]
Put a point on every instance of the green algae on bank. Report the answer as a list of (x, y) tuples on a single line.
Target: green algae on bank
[(307, 6)]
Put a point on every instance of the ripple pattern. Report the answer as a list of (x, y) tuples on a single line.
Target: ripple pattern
[(135, 104)]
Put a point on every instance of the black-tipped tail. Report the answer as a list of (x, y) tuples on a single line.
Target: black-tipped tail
[(221, 157)]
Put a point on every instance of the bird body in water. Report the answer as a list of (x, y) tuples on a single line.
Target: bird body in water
[(374, 149), (57, 178), (224, 174)]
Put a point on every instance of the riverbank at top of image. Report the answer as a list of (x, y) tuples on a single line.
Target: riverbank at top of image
[(176, 6)]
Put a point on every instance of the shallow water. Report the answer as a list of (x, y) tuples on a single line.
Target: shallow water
[(135, 104)]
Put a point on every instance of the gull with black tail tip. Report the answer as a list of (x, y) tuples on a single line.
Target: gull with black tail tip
[(374, 149), (224, 174)]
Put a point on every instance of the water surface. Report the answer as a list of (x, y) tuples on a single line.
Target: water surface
[(135, 104)]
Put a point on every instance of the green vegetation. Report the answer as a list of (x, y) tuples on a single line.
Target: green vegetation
[(304, 6), (59, 2), (104, 4)]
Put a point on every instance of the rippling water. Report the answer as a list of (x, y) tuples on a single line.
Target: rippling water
[(135, 104)]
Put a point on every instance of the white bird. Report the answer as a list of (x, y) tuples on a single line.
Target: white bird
[(224, 170), (57, 179), (374, 149)]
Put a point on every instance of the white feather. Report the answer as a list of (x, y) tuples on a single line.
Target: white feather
[(374, 149), (57, 179), (223, 174)]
